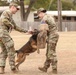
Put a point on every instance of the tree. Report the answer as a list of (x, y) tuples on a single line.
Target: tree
[(22, 10), (53, 5), (42, 3), (29, 8), (24, 15), (74, 2), (67, 5), (3, 3)]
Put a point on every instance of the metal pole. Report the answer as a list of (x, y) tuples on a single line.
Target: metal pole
[(59, 15)]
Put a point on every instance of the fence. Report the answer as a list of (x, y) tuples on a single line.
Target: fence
[(66, 26), (27, 25)]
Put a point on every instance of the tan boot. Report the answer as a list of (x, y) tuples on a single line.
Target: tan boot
[(14, 70), (1, 70), (43, 69), (54, 71)]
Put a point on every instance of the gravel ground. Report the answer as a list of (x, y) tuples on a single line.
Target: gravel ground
[(66, 53)]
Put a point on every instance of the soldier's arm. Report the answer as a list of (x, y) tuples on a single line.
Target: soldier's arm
[(17, 27), (5, 17), (6, 22), (50, 21)]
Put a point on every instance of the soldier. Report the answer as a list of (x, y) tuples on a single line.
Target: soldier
[(53, 36), (6, 42)]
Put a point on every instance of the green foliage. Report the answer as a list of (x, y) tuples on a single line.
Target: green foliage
[(42, 3), (67, 5), (3, 3), (26, 2), (53, 5)]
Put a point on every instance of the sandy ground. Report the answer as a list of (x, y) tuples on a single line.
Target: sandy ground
[(66, 53)]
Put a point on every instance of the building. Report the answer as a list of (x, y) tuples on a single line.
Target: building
[(68, 19), (66, 15)]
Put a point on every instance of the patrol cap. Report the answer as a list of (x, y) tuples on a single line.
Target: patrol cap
[(14, 4), (41, 10)]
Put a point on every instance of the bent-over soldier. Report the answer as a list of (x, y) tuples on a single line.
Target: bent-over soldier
[(52, 40)]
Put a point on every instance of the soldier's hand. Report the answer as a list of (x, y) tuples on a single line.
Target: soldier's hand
[(30, 32)]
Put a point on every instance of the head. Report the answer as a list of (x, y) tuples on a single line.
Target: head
[(13, 7), (41, 12), (35, 32)]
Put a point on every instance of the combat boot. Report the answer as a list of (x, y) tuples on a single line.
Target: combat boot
[(43, 69), (1, 70), (14, 71), (54, 71)]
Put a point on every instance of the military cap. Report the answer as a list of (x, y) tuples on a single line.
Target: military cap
[(14, 4), (41, 10)]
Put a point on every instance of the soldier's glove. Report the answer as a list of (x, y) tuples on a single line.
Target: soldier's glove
[(30, 32)]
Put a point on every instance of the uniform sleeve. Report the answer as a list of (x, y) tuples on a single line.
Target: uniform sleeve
[(17, 27), (50, 21), (6, 22)]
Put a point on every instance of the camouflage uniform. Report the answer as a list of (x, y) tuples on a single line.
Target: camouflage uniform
[(52, 42), (6, 42)]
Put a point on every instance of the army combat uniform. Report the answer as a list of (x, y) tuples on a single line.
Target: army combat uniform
[(6, 42), (51, 45)]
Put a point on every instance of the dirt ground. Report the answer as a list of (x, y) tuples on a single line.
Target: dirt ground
[(66, 53)]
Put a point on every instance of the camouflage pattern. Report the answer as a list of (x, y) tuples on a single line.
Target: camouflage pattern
[(14, 4), (52, 42), (7, 22), (41, 10), (6, 42)]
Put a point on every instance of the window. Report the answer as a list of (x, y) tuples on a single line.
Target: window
[(75, 18), (64, 18), (68, 18)]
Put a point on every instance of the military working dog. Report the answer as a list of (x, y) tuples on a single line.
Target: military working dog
[(29, 47), (36, 41)]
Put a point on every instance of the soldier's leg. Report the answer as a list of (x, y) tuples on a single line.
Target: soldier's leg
[(47, 61), (3, 56), (52, 55), (9, 44), (11, 53), (50, 58), (52, 52)]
